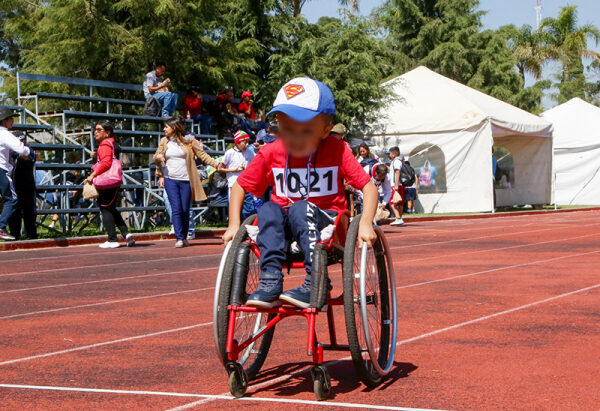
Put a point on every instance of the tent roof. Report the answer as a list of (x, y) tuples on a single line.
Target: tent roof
[(429, 102), (576, 124)]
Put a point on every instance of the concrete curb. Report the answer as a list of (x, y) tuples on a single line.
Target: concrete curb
[(76, 241), (98, 239)]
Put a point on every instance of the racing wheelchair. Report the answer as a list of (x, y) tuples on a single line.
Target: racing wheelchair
[(243, 334)]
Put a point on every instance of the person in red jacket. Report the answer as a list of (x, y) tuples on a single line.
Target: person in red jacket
[(193, 108), (108, 198), (246, 106)]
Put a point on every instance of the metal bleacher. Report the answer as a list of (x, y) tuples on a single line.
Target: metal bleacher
[(63, 137)]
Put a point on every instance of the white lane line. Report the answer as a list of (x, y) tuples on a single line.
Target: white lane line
[(201, 256), (510, 247), (491, 270), (408, 340), (120, 340), (214, 397), (105, 280), (210, 323), (53, 270), (124, 300), (483, 237)]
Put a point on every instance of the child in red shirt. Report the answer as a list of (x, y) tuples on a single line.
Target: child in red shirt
[(300, 207)]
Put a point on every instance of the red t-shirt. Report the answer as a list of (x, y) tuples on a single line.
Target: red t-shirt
[(331, 163), (192, 104), (243, 107)]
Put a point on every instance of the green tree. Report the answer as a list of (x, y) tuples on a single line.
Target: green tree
[(568, 44), (119, 40), (348, 57), (297, 5)]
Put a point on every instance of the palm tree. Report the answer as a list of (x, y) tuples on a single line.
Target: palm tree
[(568, 42), (528, 47), (298, 4)]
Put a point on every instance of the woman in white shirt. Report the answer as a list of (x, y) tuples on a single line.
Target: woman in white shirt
[(177, 173)]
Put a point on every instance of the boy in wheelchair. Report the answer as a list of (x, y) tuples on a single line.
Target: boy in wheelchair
[(306, 167)]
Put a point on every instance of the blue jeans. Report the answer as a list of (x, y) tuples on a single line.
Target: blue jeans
[(168, 101), (8, 195), (192, 226), (276, 228), (180, 195), (205, 122)]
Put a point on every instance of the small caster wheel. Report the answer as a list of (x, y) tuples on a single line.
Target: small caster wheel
[(321, 382), (238, 379)]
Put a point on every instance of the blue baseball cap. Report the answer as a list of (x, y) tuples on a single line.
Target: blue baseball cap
[(303, 99)]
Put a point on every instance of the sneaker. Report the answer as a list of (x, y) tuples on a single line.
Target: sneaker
[(129, 240), (397, 222), (110, 244), (191, 235), (186, 243), (268, 291), (299, 296), (172, 232), (179, 244), (5, 236)]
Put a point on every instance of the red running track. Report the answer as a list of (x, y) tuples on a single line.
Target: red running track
[(501, 313)]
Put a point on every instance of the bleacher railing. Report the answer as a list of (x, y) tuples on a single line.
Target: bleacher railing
[(63, 135)]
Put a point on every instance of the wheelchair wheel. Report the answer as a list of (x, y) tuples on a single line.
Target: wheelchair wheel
[(369, 306), (238, 254)]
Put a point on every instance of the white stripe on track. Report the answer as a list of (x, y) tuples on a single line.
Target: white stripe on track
[(53, 270), (201, 256), (482, 237), (42, 287), (409, 340), (214, 397), (124, 300), (120, 340)]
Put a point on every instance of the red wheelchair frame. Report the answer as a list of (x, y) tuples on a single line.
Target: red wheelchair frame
[(314, 347)]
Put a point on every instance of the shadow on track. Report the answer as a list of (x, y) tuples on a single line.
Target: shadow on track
[(343, 378)]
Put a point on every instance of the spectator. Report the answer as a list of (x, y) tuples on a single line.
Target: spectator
[(339, 131), (246, 107), (397, 202), (108, 148), (235, 161), (267, 135), (411, 194), (155, 86), (223, 111), (364, 152), (191, 234), (177, 173), (379, 177), (24, 182), (8, 144), (193, 108)]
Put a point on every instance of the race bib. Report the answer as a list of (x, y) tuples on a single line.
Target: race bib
[(323, 182)]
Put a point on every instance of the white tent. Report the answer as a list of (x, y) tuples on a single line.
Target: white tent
[(447, 131), (576, 152)]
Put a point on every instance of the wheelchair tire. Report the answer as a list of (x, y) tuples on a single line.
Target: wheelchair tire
[(251, 359), (373, 359)]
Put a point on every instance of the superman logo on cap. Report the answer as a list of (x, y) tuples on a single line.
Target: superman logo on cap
[(292, 90)]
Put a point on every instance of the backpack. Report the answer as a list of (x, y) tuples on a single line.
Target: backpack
[(152, 108), (407, 174)]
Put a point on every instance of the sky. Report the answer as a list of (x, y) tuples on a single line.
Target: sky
[(498, 13)]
